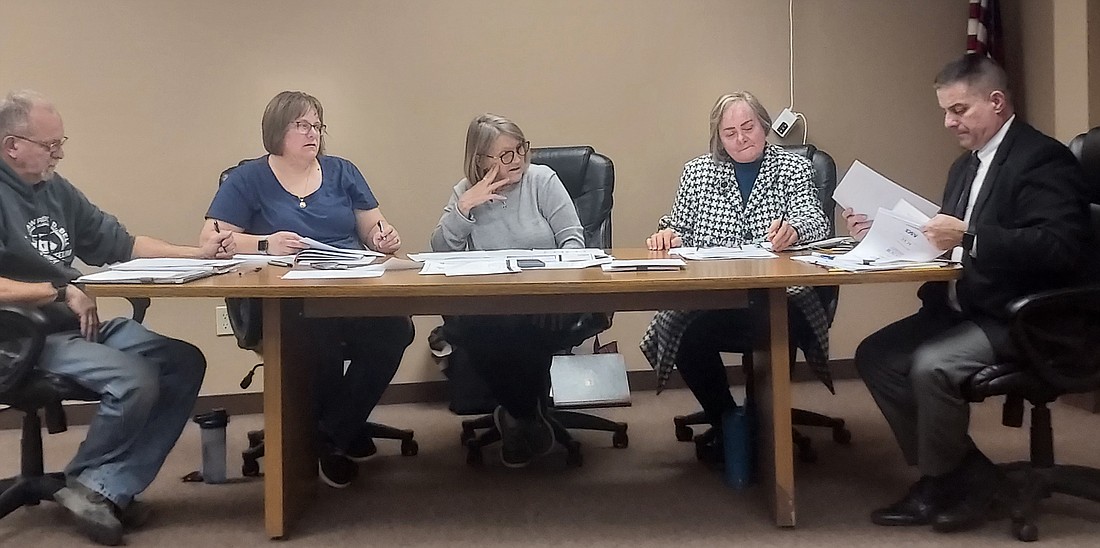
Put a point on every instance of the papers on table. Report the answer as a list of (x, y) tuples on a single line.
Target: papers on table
[(895, 240), (145, 276), (643, 265), (840, 241), (349, 273), (750, 251), (503, 261), (833, 262), (865, 191), (322, 252), (160, 271)]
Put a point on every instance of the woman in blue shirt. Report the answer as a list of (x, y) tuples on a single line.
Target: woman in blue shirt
[(297, 191)]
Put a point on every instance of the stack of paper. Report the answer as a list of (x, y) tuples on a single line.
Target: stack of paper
[(160, 271), (321, 252), (503, 261), (643, 265), (748, 251)]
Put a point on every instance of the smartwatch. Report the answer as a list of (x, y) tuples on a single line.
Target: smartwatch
[(968, 241), (261, 246), (62, 292)]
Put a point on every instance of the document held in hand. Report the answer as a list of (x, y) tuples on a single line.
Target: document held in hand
[(865, 191)]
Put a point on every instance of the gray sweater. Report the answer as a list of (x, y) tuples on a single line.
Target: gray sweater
[(538, 214)]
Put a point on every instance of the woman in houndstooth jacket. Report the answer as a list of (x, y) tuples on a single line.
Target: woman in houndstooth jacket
[(743, 191)]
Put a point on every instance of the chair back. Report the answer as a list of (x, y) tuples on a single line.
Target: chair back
[(1056, 332), (24, 334), (589, 177), (824, 182)]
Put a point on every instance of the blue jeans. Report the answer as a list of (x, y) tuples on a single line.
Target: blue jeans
[(147, 384)]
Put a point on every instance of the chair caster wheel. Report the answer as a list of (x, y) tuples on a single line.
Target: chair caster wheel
[(574, 458), (250, 469), (620, 440), (473, 457), (683, 431), (806, 452), (842, 435), (1027, 532), (468, 433), (409, 448)]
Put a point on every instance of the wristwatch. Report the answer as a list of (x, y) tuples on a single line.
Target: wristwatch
[(261, 246), (968, 241), (62, 292)]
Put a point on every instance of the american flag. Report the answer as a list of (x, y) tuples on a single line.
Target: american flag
[(983, 29)]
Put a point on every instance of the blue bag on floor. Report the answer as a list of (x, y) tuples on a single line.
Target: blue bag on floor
[(738, 440)]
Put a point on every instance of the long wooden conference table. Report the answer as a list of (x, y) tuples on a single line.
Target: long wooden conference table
[(290, 462)]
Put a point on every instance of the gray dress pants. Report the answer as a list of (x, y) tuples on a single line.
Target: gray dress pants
[(915, 369)]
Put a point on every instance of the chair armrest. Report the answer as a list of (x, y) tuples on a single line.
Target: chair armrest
[(22, 336)]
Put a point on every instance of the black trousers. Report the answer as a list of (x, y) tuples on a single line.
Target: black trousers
[(374, 346), (698, 358), (511, 354)]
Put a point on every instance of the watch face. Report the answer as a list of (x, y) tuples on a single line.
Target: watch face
[(262, 246)]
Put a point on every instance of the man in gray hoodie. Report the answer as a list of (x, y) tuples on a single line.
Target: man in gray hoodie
[(147, 382)]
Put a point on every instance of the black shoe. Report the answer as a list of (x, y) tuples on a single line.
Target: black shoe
[(337, 470), (361, 448), (918, 507), (515, 448), (95, 515), (540, 435), (979, 481)]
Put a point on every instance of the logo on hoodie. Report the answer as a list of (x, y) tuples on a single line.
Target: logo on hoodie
[(50, 239)]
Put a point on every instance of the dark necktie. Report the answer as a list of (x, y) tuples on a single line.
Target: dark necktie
[(968, 182)]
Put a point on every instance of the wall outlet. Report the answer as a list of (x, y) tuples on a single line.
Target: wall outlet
[(221, 322)]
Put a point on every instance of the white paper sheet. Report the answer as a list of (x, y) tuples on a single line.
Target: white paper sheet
[(893, 238), (642, 265), (165, 263), (145, 276), (865, 191), (314, 274), (546, 255), (749, 251)]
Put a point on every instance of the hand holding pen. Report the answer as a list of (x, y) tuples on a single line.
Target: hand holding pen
[(386, 239), (221, 246), (781, 235)]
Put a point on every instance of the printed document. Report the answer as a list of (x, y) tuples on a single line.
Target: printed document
[(865, 191)]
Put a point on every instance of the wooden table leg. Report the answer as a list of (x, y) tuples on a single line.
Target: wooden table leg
[(772, 373), (290, 458)]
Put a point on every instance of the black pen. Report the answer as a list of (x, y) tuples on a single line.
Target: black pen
[(218, 230)]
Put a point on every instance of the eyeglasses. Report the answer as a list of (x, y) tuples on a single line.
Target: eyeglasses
[(52, 146), (304, 127), (509, 156)]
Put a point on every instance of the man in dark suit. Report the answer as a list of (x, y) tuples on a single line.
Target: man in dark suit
[(1015, 214)]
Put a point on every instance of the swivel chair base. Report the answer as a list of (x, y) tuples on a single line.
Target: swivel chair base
[(800, 417), (250, 467), (32, 485), (560, 421)]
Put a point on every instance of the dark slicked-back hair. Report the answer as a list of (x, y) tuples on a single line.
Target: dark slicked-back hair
[(976, 71)]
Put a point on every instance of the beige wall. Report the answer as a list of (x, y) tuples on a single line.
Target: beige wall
[(159, 97)]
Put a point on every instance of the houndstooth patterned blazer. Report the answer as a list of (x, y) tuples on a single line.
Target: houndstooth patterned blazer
[(709, 211)]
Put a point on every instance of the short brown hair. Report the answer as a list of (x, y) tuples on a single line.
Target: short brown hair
[(283, 109), (717, 151), (480, 136)]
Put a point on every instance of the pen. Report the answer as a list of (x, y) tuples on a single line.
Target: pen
[(379, 227), (218, 230)]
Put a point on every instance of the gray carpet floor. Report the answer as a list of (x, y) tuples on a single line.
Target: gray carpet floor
[(653, 493)]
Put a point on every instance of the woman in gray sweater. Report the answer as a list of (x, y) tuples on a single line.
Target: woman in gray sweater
[(504, 202)]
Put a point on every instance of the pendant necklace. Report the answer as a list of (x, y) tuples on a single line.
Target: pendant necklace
[(302, 199)]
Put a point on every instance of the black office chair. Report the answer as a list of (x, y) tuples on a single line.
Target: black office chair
[(27, 389), (246, 319), (825, 182), (1055, 334), (589, 177)]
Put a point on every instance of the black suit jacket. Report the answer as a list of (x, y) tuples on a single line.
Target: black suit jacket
[(1031, 225)]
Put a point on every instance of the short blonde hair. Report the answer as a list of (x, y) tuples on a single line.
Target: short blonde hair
[(15, 110), (481, 134), (283, 109), (717, 151)]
